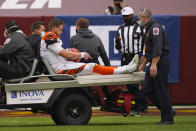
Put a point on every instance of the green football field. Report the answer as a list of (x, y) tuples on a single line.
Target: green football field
[(99, 123)]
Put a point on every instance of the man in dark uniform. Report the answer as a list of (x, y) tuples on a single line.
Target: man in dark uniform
[(16, 56), (156, 77), (129, 41)]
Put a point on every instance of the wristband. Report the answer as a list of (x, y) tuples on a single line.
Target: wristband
[(83, 54), (140, 54)]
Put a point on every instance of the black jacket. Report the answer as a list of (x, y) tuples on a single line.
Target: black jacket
[(86, 41), (19, 53), (156, 40), (35, 41)]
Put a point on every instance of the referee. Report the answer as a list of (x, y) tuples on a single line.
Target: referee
[(129, 42)]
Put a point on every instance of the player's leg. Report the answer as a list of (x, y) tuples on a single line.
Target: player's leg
[(108, 70), (92, 68)]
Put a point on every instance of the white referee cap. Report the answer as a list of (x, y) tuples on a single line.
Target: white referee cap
[(127, 11)]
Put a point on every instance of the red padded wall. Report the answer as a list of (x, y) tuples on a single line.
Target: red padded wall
[(185, 91)]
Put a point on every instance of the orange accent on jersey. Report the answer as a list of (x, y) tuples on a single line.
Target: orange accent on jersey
[(72, 71), (67, 71), (104, 70), (60, 72), (51, 34)]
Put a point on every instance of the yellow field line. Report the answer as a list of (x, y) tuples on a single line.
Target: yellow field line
[(20, 113), (188, 110)]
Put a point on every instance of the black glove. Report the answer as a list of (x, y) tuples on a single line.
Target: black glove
[(118, 43)]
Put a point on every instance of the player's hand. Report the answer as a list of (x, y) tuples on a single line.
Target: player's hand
[(74, 50), (153, 70)]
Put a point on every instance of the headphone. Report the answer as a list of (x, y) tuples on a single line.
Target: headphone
[(13, 27)]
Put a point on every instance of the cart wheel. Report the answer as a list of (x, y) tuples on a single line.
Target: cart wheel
[(73, 110)]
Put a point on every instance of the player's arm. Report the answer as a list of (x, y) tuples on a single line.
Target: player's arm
[(57, 49), (74, 55), (52, 44)]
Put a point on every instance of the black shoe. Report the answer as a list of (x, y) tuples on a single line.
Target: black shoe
[(165, 123), (174, 112)]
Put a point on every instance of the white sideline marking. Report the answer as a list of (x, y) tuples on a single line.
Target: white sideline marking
[(153, 107)]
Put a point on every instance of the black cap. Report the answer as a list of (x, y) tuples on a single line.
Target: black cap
[(12, 25), (118, 0)]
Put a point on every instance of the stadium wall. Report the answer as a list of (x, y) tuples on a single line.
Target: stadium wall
[(183, 90)]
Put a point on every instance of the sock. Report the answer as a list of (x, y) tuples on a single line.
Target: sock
[(104, 70)]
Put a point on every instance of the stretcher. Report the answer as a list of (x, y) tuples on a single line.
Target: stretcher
[(69, 81)]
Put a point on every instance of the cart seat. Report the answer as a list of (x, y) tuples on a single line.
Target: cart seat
[(56, 77)]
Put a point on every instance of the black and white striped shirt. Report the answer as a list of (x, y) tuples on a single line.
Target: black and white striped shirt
[(131, 39)]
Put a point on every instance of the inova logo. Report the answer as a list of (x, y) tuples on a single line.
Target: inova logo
[(13, 94), (33, 93)]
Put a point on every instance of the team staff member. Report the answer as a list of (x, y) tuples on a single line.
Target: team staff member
[(156, 77), (129, 41), (37, 31), (57, 56), (86, 41), (16, 56)]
